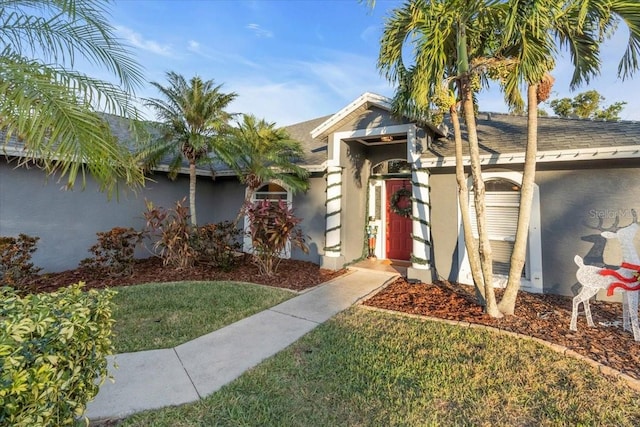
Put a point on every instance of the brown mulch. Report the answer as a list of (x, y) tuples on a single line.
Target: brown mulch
[(291, 274), (542, 316)]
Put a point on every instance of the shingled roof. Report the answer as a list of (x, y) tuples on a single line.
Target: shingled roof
[(315, 149), (503, 135)]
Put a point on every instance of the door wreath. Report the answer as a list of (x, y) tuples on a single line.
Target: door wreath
[(397, 196)]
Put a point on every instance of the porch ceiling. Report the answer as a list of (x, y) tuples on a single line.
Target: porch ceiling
[(387, 139)]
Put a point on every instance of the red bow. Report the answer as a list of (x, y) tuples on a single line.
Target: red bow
[(623, 283)]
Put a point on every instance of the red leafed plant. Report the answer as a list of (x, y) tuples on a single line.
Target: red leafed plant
[(114, 252), (16, 267), (273, 226), (171, 233)]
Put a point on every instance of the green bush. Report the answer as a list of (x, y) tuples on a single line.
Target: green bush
[(53, 348), (15, 259), (114, 252), (218, 244)]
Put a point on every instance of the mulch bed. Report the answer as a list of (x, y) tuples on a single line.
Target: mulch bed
[(541, 316), (291, 274)]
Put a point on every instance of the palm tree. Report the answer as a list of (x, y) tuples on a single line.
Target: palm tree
[(49, 107), (447, 37), (259, 152), (531, 33), (194, 122)]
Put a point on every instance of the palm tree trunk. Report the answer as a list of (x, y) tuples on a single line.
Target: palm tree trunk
[(247, 199), (192, 193), (463, 201), (486, 261), (508, 302)]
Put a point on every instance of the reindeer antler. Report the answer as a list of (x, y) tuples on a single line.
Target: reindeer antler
[(600, 227)]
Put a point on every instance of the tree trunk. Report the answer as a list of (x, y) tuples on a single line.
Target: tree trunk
[(463, 201), (486, 260), (248, 195), (192, 193), (518, 257)]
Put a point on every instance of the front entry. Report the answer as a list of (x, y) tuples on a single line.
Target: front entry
[(398, 227)]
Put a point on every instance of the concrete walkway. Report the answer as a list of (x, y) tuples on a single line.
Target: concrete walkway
[(157, 378)]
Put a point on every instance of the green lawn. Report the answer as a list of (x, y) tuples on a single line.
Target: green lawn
[(162, 315), (367, 368)]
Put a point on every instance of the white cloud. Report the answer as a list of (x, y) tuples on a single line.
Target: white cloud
[(371, 34), (139, 41), (296, 91), (193, 46), (259, 31), (284, 103), (346, 75)]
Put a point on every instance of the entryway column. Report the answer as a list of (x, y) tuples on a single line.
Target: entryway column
[(333, 258), (421, 257)]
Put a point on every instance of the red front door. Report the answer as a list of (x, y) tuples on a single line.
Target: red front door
[(398, 227)]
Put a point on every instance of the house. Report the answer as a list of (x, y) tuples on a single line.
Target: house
[(587, 179), (364, 163)]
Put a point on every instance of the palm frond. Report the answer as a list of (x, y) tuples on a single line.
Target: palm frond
[(48, 110)]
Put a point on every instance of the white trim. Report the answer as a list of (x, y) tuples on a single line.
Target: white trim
[(419, 210), (533, 280), (366, 98), (380, 242), (600, 153), (333, 223), (338, 137), (247, 244)]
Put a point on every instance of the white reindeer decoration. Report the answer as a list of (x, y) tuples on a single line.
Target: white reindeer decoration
[(592, 280)]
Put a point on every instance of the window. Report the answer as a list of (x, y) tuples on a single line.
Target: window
[(502, 202), (392, 167), (273, 192)]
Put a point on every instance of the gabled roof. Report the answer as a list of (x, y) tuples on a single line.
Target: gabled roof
[(363, 102), (503, 137)]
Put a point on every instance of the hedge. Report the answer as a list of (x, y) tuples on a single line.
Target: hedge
[(53, 350)]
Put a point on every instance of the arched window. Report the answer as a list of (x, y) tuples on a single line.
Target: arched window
[(272, 192), (392, 167), (502, 203)]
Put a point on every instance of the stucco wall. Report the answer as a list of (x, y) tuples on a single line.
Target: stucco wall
[(67, 221), (371, 118), (355, 176), (574, 198), (310, 206), (444, 224), (573, 202)]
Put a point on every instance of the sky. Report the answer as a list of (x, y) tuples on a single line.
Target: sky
[(296, 60)]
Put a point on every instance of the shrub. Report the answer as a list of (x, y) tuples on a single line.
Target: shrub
[(15, 259), (273, 227), (218, 244), (53, 347), (172, 235), (114, 252)]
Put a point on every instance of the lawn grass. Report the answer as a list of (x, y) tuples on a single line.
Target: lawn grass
[(368, 368), (163, 315)]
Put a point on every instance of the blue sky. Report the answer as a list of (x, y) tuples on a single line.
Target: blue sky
[(294, 60)]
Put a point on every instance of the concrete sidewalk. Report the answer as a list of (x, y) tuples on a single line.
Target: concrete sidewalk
[(157, 378)]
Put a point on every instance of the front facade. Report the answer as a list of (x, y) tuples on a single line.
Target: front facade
[(388, 183), (587, 174)]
